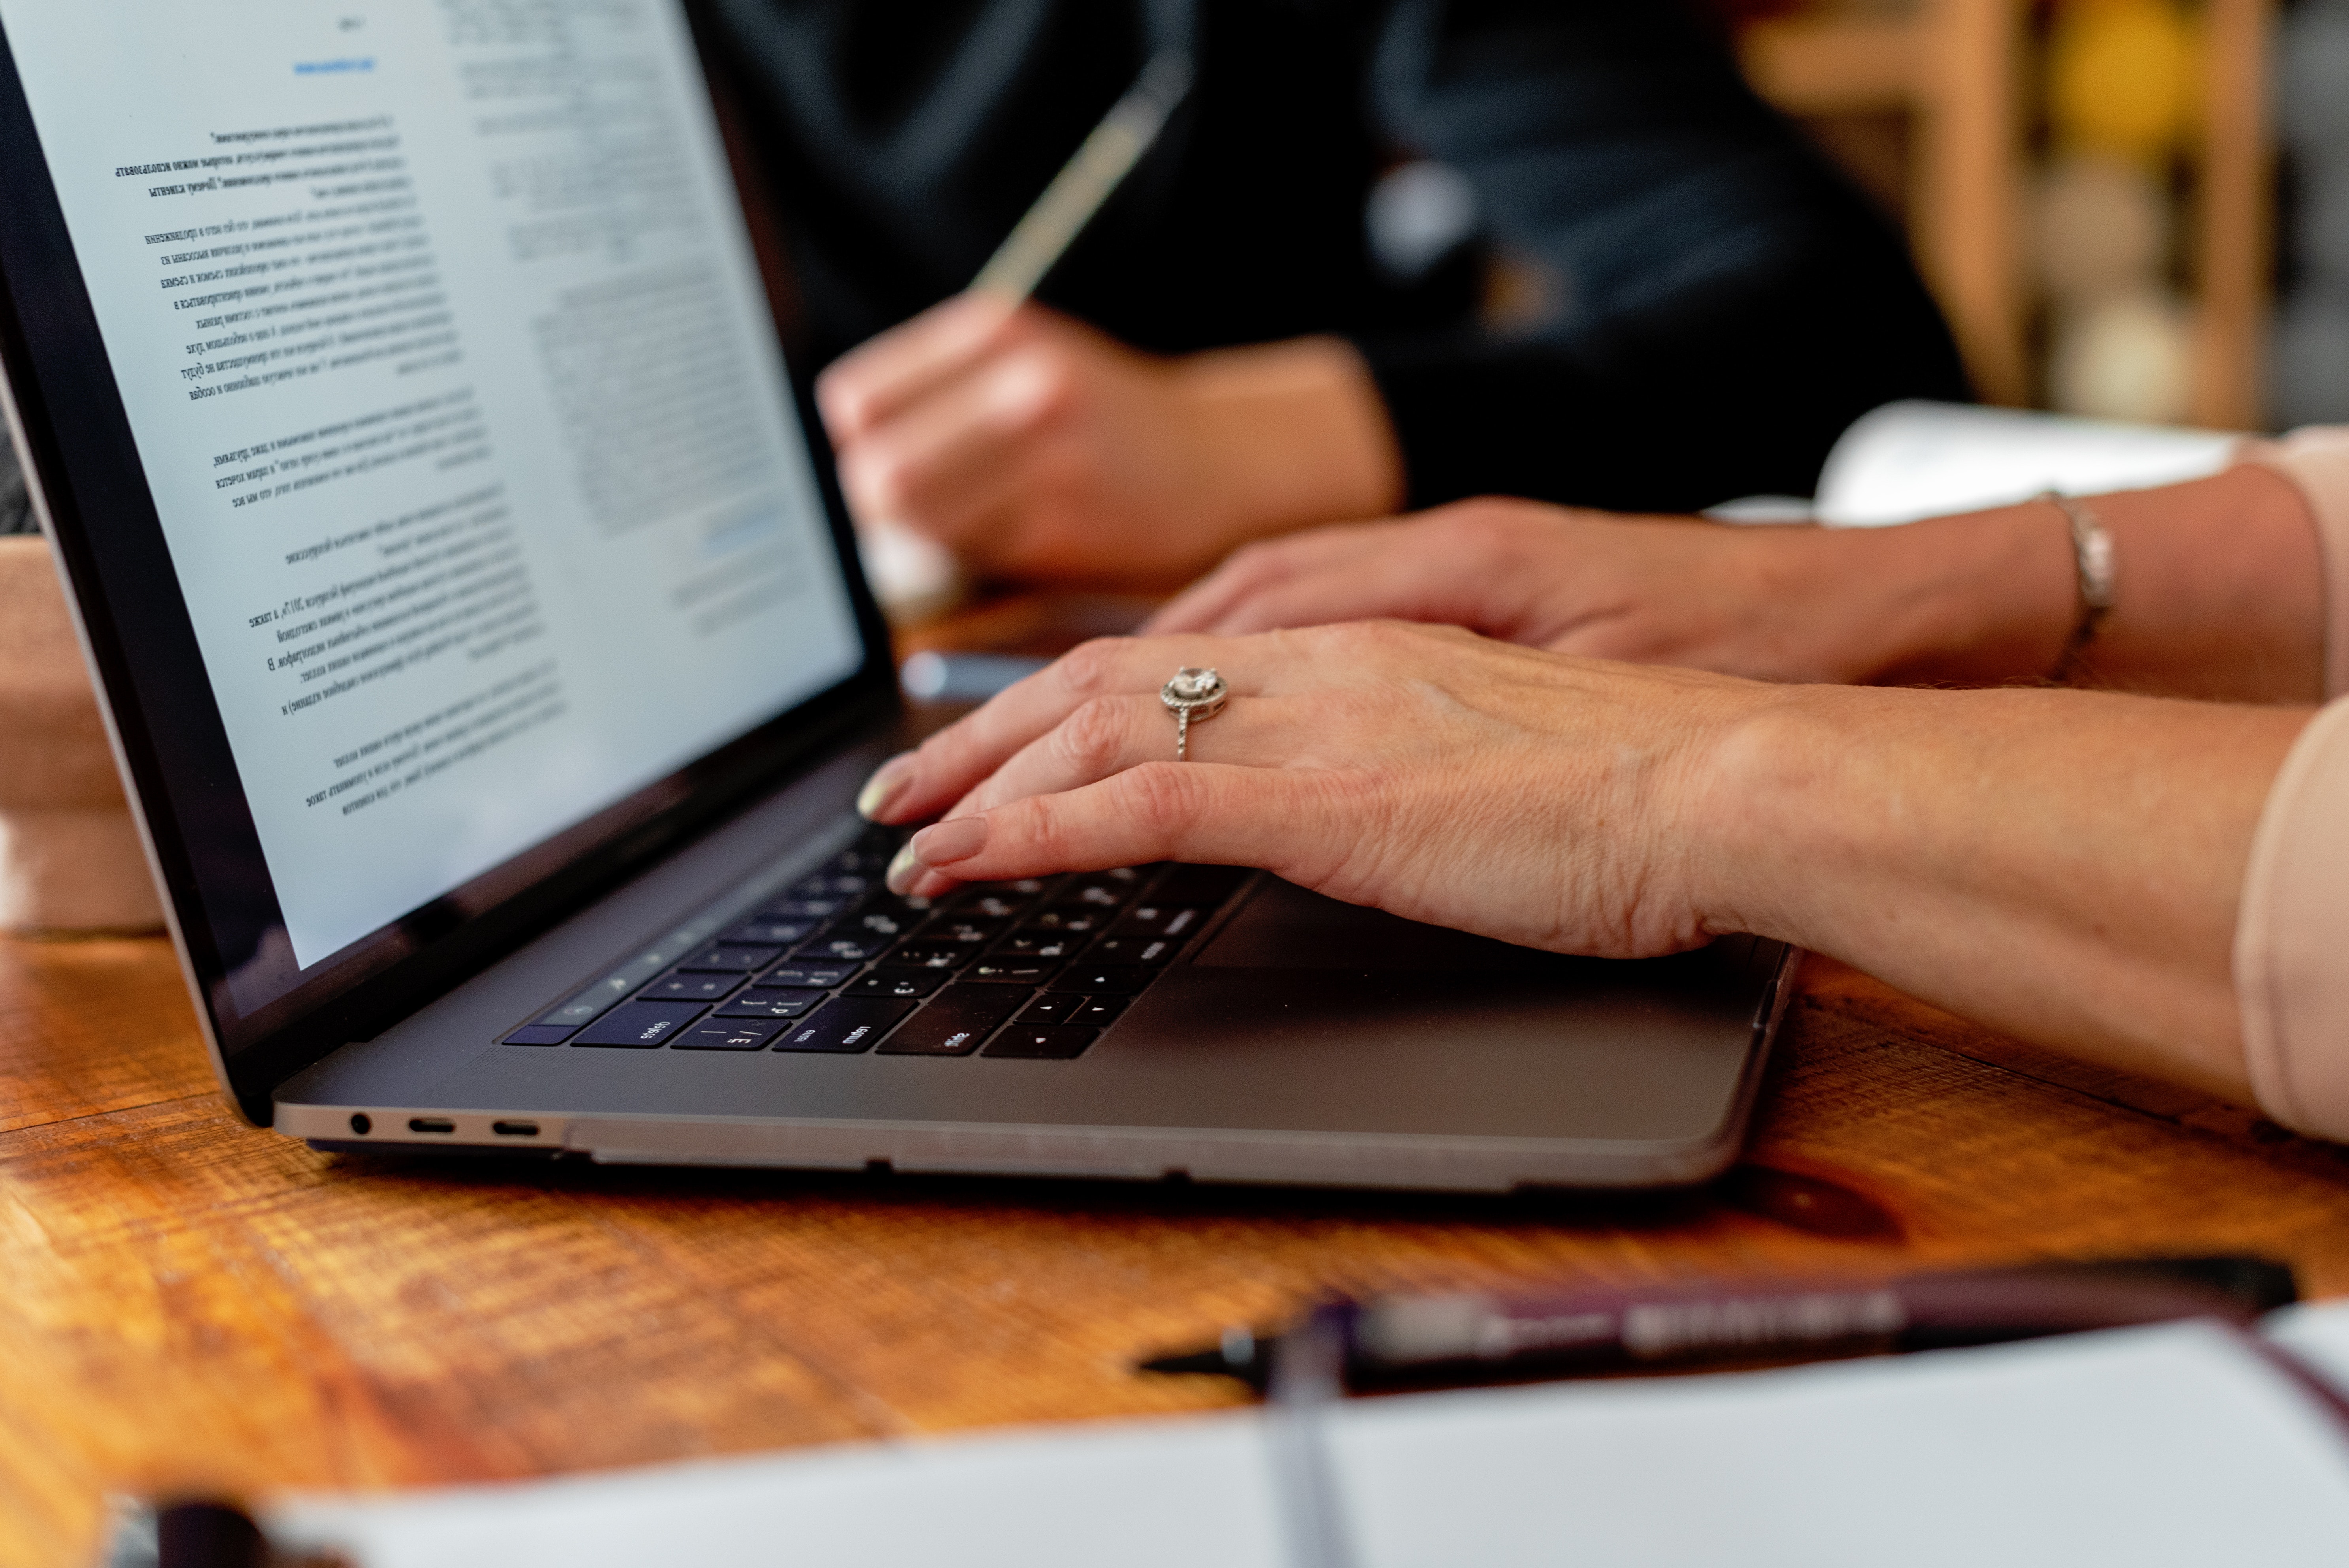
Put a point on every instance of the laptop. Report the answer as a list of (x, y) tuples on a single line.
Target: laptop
[(411, 398)]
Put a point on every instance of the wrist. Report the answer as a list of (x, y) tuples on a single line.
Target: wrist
[(2220, 591), (1979, 599), (1289, 434), (1767, 797)]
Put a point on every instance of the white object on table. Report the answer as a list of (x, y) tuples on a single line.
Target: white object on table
[(913, 576), (2154, 1447), (1916, 459)]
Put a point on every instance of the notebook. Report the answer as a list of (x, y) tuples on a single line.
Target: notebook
[(2175, 1444)]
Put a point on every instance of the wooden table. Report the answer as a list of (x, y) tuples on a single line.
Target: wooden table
[(188, 1303)]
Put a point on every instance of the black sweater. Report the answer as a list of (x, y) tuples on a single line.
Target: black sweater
[(1720, 304)]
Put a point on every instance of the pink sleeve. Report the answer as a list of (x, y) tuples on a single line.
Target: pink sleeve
[(2317, 459), (2291, 937), (2292, 932)]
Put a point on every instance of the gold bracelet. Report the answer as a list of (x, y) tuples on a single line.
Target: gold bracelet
[(2092, 555)]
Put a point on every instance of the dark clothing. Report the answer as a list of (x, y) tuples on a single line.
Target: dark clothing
[(16, 506), (1721, 305)]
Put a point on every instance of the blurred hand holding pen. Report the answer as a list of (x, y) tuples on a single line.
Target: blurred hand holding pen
[(913, 576)]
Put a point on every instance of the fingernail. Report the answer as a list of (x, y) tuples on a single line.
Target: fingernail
[(943, 844), (888, 782), (903, 869)]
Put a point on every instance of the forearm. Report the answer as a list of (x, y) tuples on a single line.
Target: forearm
[(2063, 866), (2219, 594)]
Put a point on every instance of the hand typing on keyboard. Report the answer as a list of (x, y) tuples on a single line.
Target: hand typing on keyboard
[(1557, 802)]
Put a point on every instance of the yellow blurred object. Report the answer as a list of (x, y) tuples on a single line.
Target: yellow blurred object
[(2121, 77)]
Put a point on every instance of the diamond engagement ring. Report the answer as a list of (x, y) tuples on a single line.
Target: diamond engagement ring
[(1192, 694)]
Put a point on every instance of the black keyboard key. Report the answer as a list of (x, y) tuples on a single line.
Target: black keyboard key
[(1093, 893), (878, 924), (1026, 890), (997, 971), (973, 934), (1099, 1012), (1202, 887), (1105, 979), (709, 987), (770, 933), (849, 947), (540, 1035), (803, 909), (1052, 1007), (581, 1009), (641, 1024), (831, 884), (740, 1035), (992, 903), (908, 912), (1041, 1042), (756, 1002), (929, 954), (1079, 920), (866, 860), (845, 1024), (728, 956), (954, 1021), (899, 983), (810, 976), (1042, 945), (1115, 949), (1155, 919)]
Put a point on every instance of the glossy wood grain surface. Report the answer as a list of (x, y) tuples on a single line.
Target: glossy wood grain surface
[(186, 1303)]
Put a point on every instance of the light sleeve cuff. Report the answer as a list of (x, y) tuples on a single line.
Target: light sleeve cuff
[(2316, 459), (2292, 932)]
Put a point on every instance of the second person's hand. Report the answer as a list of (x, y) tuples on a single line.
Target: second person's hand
[(1037, 448), (1987, 597)]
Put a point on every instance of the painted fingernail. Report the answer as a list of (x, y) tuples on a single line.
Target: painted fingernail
[(903, 869), (888, 782), (943, 844)]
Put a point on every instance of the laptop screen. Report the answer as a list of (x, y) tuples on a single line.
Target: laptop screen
[(406, 390), (450, 371)]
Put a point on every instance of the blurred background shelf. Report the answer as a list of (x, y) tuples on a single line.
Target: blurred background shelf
[(1955, 114)]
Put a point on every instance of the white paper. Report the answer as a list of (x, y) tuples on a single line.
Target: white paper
[(1141, 1494), (2148, 1447), (2142, 1447), (2317, 1332), (442, 342), (1916, 459)]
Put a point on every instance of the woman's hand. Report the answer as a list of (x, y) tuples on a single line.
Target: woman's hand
[(1785, 604), (1657, 590), (2062, 865), (2220, 581), (1033, 446), (1554, 802)]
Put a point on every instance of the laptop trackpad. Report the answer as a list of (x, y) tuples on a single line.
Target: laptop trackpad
[(1285, 927)]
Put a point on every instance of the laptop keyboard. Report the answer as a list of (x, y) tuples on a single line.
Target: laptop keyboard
[(836, 963)]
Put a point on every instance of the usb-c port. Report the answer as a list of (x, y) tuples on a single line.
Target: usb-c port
[(514, 1129), (431, 1124)]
